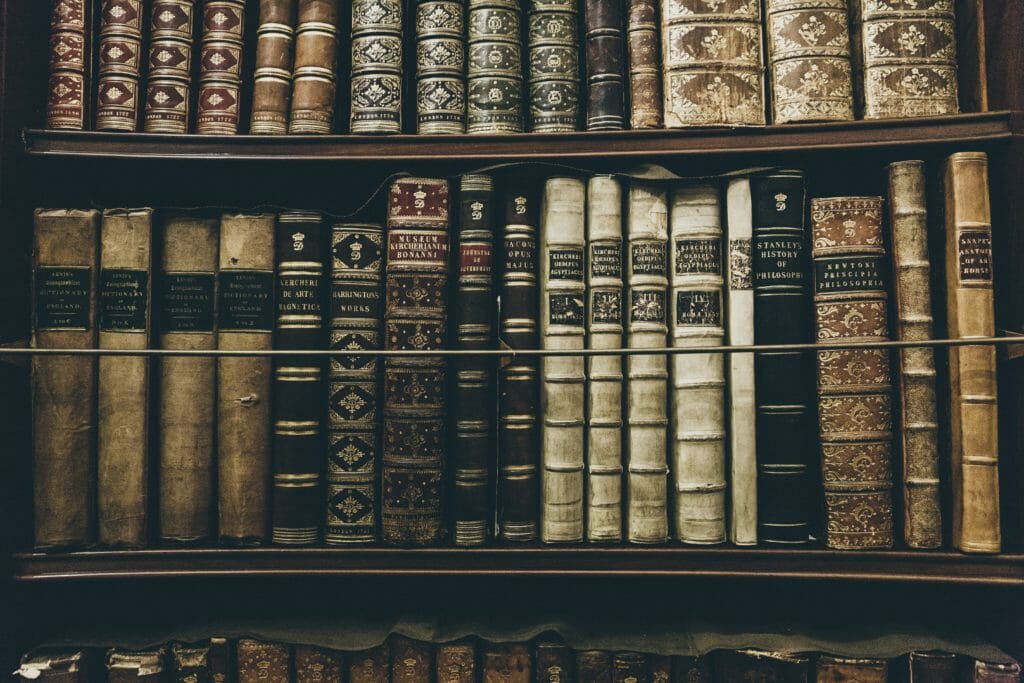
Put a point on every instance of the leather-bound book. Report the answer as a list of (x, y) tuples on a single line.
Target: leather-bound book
[(376, 66), (415, 315), (51, 665), (126, 248), (991, 672), (169, 76), (830, 669), (760, 665), (854, 387), (370, 666), (353, 451), (314, 84), (476, 312), (604, 373), (186, 402), (660, 667), (263, 662), (698, 380), (119, 73), (272, 79), (647, 418), (809, 60), (144, 666), (456, 662), (922, 515), (606, 65), (552, 662), (245, 321), (518, 404), (562, 311), (494, 70), (906, 61), (931, 667), (645, 100), (298, 436), (412, 661), (220, 67), (318, 665), (594, 666), (554, 66), (712, 63), (205, 662), (692, 669), (507, 663), (630, 667), (64, 271), (68, 88), (783, 380), (974, 434), (440, 67)]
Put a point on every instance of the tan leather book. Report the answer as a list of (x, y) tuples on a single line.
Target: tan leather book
[(456, 662), (992, 672), (316, 54), (264, 662), (318, 665), (272, 80), (137, 666), (830, 669), (644, 49)]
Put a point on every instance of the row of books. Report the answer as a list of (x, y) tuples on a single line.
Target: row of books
[(491, 66), (697, 446)]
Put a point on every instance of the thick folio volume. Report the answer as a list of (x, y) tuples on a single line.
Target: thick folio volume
[(554, 66), (120, 63), (854, 387), (376, 66), (272, 79), (440, 67), (606, 65), (645, 100), (315, 70), (64, 387), (67, 92), (494, 70), (220, 67), (169, 76)]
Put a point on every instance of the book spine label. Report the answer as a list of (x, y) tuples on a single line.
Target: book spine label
[(67, 100), (318, 665), (456, 663), (494, 79), (554, 66), (507, 663), (370, 666), (120, 61), (272, 79), (440, 67), (315, 71), (220, 67), (170, 66), (645, 100), (606, 65), (262, 662), (376, 66)]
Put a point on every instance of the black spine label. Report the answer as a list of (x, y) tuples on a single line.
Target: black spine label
[(647, 306), (186, 302), (701, 308), (62, 298), (606, 261), (246, 301), (606, 307), (778, 261), (849, 274), (974, 251), (356, 301), (648, 258), (123, 298), (357, 251), (698, 256), (566, 264), (566, 309), (521, 254), (299, 295)]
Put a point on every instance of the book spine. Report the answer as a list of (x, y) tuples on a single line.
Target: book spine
[(604, 373), (698, 380), (762, 665), (186, 312), (245, 321), (353, 451), (630, 667), (412, 661), (126, 666), (456, 663), (120, 61), (376, 66), (49, 665), (123, 396), (553, 662), (740, 367), (370, 666), (272, 79), (554, 66), (298, 436), (713, 66), (809, 60), (416, 286), (507, 663), (220, 67), (67, 92), (692, 669), (169, 76), (475, 317), (660, 667), (263, 662), (922, 516), (606, 65), (931, 667), (645, 100), (318, 665), (594, 666), (854, 388), (440, 67), (190, 663), (64, 387), (830, 669), (494, 70), (974, 433), (562, 386), (518, 432), (221, 658), (315, 72), (993, 672)]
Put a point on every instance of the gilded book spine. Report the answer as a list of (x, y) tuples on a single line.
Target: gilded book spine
[(120, 62), (494, 78), (698, 380), (64, 387), (370, 666), (854, 388), (67, 93), (272, 79), (972, 369), (630, 667), (553, 662), (415, 315), (412, 661), (191, 663), (315, 68), (318, 665), (220, 67), (376, 66), (554, 66), (263, 662), (123, 397), (594, 666), (645, 100), (456, 663), (441, 67), (562, 386), (170, 66), (606, 65), (245, 321), (507, 663)]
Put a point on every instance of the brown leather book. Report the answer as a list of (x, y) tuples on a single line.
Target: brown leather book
[(553, 662), (992, 672), (120, 62), (456, 662), (594, 666), (691, 669), (660, 667), (606, 64), (137, 666), (316, 52), (931, 667), (206, 662), (842, 669), (760, 665), (644, 44), (412, 661), (169, 77), (263, 662), (507, 663), (370, 666), (630, 667), (318, 665), (272, 79), (220, 67), (53, 665), (376, 66), (67, 92)]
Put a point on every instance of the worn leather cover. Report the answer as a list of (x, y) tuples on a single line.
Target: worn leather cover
[(193, 663), (992, 672), (272, 78), (56, 665), (440, 67), (263, 662), (412, 661), (660, 667), (318, 665), (137, 666), (759, 665), (70, 58), (606, 65), (553, 662), (494, 70), (630, 667), (314, 73), (554, 66), (594, 666), (507, 663), (220, 67), (644, 40), (120, 61), (931, 667), (370, 666), (830, 669), (456, 662), (169, 76), (376, 66)]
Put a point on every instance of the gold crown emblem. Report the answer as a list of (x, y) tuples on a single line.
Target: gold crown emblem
[(780, 197), (849, 223), (476, 206), (419, 194)]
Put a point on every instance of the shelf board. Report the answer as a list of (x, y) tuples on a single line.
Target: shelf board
[(946, 131)]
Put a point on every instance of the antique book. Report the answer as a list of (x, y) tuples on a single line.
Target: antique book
[(144, 666), (314, 73), (854, 388), (992, 672), (318, 665), (783, 380), (562, 384), (974, 433), (245, 321), (494, 70), (760, 665), (412, 661), (606, 65), (456, 662), (476, 312), (552, 661), (353, 451), (507, 663), (830, 669), (298, 406), (698, 379), (659, 667), (922, 515), (518, 430), (122, 438), (809, 60), (70, 54), (931, 667), (644, 43), (64, 272), (376, 66), (630, 667), (169, 77), (272, 78), (647, 418), (119, 73), (204, 662), (905, 58), (415, 319), (185, 311), (220, 67), (440, 67), (370, 666), (713, 70), (53, 665), (740, 366), (604, 373), (554, 66), (594, 666), (263, 662), (692, 669)]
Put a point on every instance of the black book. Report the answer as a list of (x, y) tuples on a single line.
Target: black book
[(606, 65)]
